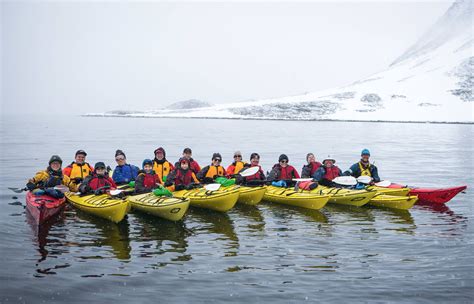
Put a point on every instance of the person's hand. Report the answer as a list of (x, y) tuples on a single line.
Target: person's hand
[(179, 187), (30, 186), (77, 180), (99, 191)]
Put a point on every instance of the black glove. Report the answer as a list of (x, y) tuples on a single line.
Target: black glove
[(189, 187), (99, 191), (77, 180), (208, 180), (179, 187), (31, 186), (168, 183)]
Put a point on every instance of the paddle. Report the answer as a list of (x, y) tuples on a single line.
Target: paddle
[(249, 172), (60, 188), (302, 179), (384, 183), (364, 179), (212, 187), (345, 180)]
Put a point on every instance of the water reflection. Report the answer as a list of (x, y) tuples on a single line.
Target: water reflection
[(217, 223), (157, 237), (288, 212), (107, 233), (252, 213)]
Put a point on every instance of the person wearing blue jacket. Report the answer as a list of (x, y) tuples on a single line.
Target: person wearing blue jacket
[(123, 173), (363, 167)]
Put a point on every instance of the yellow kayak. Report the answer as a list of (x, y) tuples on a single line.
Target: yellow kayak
[(251, 195), (105, 206), (393, 201), (343, 196), (290, 197), (221, 200), (169, 208), (389, 191)]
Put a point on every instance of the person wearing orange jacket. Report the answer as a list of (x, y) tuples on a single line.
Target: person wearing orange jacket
[(161, 166), (209, 173), (79, 168), (236, 166)]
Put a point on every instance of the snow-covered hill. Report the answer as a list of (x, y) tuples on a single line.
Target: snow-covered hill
[(432, 81)]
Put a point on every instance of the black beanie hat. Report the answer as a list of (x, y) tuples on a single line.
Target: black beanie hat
[(99, 165), (55, 158), (282, 157), (216, 155), (254, 155), (119, 152)]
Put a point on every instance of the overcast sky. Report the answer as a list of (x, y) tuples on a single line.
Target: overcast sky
[(79, 57)]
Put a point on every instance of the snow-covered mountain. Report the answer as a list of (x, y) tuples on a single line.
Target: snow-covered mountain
[(432, 81)]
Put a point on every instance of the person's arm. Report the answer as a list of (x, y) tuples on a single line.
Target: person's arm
[(318, 175), (306, 171), (67, 171), (170, 179), (273, 175), (201, 174), (375, 174), (295, 173), (230, 169), (84, 186), (139, 187), (70, 183), (352, 171), (117, 175)]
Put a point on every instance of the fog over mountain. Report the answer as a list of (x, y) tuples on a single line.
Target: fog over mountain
[(431, 81)]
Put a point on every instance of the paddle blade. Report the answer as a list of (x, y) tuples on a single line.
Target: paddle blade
[(115, 192), (364, 179), (61, 188), (384, 183), (249, 172), (212, 187), (345, 180), (302, 179), (17, 190)]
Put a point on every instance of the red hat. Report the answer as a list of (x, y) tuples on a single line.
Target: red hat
[(184, 160), (160, 149)]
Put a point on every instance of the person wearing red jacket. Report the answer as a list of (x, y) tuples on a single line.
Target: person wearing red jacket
[(282, 174), (147, 180), (311, 167), (182, 177), (98, 182), (188, 154), (256, 179)]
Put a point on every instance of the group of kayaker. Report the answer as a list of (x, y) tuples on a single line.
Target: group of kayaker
[(185, 173)]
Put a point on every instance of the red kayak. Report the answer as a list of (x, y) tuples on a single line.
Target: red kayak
[(43, 207), (432, 196)]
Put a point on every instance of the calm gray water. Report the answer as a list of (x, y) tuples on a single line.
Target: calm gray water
[(267, 253)]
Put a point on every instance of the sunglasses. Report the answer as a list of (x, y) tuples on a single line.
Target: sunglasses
[(216, 159), (237, 156), (283, 161), (120, 158)]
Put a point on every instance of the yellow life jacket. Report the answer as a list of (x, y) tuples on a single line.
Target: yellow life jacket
[(366, 171), (79, 171), (162, 170), (238, 166), (215, 170)]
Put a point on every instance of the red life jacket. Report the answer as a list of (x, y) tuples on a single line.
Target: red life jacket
[(288, 172), (331, 173), (256, 176), (99, 182), (314, 167), (184, 177), (150, 180)]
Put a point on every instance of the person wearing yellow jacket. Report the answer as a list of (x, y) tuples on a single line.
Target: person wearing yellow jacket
[(161, 166), (79, 168), (45, 181), (209, 173)]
